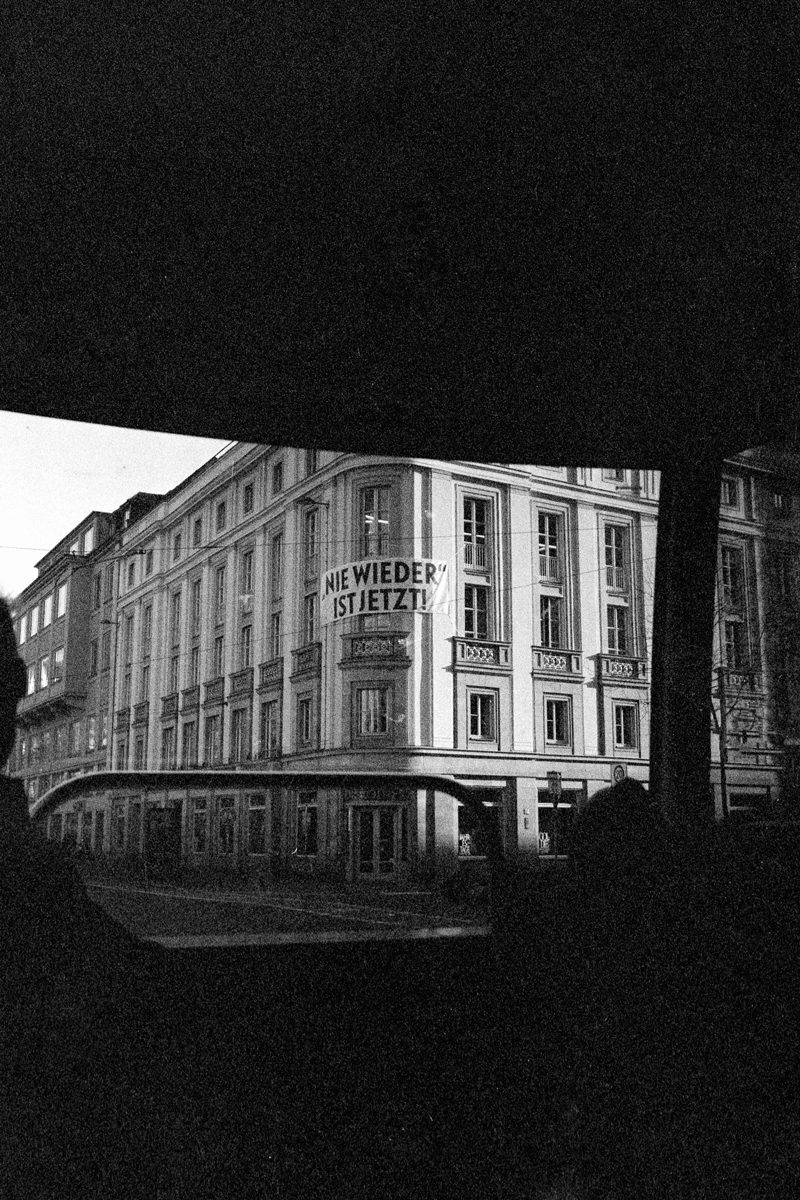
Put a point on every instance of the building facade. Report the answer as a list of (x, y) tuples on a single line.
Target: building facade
[(200, 632)]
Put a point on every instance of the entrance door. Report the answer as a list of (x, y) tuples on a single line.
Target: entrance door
[(375, 842)]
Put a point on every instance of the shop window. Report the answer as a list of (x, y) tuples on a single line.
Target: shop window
[(473, 833), (199, 825), (307, 818), (555, 825), (226, 825), (257, 823)]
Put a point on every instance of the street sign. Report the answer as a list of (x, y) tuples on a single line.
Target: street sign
[(554, 786)]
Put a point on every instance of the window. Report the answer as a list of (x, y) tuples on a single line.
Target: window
[(549, 545), (147, 629), (47, 615), (729, 496), (310, 547), (199, 825), (219, 593), (144, 682), (94, 656), (88, 540), (175, 618), (194, 666), (189, 746), (310, 619), (103, 730), (57, 672), (555, 824), (306, 844), (276, 561), (550, 622), (172, 678), (311, 461), (219, 656), (91, 733), (105, 650), (625, 727), (482, 716), (34, 621), (118, 819), (221, 516), (97, 590), (734, 635), (99, 829), (139, 753), (473, 836), (240, 735), (781, 503), (62, 741), (122, 754), (732, 565), (476, 611), (75, 734), (197, 532), (168, 748), (374, 522), (127, 638), (614, 474), (108, 582), (617, 629), (615, 536), (131, 573), (304, 721), (213, 743), (277, 478), (31, 679), (148, 562), (557, 722), (476, 533), (226, 825), (372, 711), (248, 497), (270, 729), (275, 646), (23, 626), (126, 689), (246, 574), (196, 593), (245, 646), (177, 546), (257, 823)]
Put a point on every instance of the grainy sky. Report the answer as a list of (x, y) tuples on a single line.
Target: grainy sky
[(56, 472)]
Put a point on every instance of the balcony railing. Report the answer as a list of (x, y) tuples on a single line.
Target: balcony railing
[(742, 679), (550, 566), (549, 661), (365, 647), (621, 668), (307, 660), (169, 705), (481, 655), (242, 682), (190, 698), (270, 673), (141, 712), (215, 691), (476, 554), (615, 578)]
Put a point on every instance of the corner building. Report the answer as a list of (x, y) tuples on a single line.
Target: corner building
[(535, 660)]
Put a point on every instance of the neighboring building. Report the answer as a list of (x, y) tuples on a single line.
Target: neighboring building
[(224, 653)]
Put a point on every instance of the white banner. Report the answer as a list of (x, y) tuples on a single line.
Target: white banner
[(384, 585)]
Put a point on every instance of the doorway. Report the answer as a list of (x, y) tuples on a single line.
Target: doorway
[(376, 838)]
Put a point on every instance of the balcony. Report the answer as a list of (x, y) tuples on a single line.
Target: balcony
[(214, 691), (616, 580), (307, 660), (476, 555), (190, 698), (620, 668), (742, 679), (556, 664), (242, 682), (270, 673), (169, 705), (376, 647), (141, 712), (469, 653), (550, 567)]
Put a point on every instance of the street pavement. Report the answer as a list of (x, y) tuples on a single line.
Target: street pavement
[(194, 917)]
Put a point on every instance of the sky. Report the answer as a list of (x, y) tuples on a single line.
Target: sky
[(53, 473)]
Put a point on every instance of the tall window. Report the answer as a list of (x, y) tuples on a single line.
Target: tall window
[(549, 545), (550, 622), (476, 611), (168, 748), (147, 629), (729, 495), (310, 619), (374, 522), (275, 636), (34, 620), (139, 754), (200, 825), (61, 600), (240, 734), (144, 682), (58, 664), (625, 727), (307, 824), (196, 593), (23, 624), (482, 716), (221, 516), (175, 618), (735, 649), (245, 646), (91, 733), (372, 711), (248, 498), (94, 656), (732, 564), (177, 546), (277, 478), (131, 577), (476, 533), (310, 546), (615, 536), (304, 721), (246, 574), (219, 593), (194, 666), (556, 721), (617, 629), (148, 561), (105, 649), (270, 730), (197, 532), (103, 730), (189, 744), (219, 656), (47, 615), (126, 689), (276, 564), (97, 590), (226, 826), (312, 461), (174, 667), (31, 679), (44, 672), (127, 639), (213, 742)]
